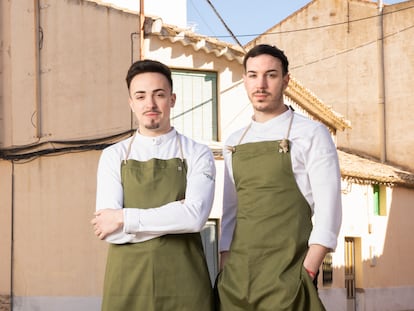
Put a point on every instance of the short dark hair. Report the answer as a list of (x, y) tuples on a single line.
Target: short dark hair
[(269, 50), (148, 65)]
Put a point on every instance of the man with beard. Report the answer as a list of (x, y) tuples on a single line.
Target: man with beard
[(280, 170), (154, 194)]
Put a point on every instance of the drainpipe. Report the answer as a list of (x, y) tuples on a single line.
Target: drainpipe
[(37, 78), (141, 43), (381, 84), (141, 29), (13, 197)]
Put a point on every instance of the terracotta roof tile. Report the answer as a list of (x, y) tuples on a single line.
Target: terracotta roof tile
[(363, 170), (155, 26)]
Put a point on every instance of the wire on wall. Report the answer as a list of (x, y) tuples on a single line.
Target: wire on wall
[(224, 24), (55, 147), (347, 22)]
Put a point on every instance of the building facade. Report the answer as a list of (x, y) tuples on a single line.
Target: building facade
[(63, 98), (357, 56)]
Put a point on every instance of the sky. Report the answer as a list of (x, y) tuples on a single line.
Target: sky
[(245, 18)]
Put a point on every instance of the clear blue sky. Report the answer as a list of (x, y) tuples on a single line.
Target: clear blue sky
[(246, 18)]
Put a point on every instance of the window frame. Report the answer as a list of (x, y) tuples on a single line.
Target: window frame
[(212, 132)]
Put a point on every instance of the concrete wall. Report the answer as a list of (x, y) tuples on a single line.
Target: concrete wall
[(74, 86), (333, 50), (55, 253)]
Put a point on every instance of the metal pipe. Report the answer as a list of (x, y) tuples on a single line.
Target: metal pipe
[(381, 85), (141, 29), (37, 78), (13, 196)]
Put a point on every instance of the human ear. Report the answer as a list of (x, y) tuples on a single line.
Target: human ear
[(286, 79), (173, 99)]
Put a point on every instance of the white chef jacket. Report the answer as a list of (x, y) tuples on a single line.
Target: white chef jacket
[(174, 217), (315, 167)]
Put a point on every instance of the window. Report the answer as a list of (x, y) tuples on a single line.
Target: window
[(195, 111), (379, 199)]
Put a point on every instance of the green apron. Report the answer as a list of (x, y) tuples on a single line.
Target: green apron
[(264, 271), (165, 273)]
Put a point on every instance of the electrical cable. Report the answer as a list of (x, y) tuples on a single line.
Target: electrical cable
[(225, 25), (26, 152), (301, 29), (201, 17)]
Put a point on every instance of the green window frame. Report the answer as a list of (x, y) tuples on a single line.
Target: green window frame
[(379, 200), (195, 113)]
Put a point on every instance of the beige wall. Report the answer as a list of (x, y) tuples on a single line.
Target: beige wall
[(80, 90), (55, 250), (54, 254), (340, 64), (4, 67)]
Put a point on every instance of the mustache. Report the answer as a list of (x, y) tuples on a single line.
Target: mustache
[(261, 92), (151, 111)]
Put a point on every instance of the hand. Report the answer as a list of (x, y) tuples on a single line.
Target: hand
[(107, 221), (311, 274), (314, 258)]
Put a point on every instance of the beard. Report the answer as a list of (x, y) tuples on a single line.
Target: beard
[(269, 104), (153, 125)]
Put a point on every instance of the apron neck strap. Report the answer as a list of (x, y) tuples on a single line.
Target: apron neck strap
[(250, 125)]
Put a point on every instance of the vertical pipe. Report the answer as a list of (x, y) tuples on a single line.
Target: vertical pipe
[(381, 84), (141, 29), (12, 236), (38, 97), (348, 17)]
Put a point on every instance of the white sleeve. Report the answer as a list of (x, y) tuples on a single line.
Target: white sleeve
[(228, 220), (109, 193), (178, 217), (325, 180)]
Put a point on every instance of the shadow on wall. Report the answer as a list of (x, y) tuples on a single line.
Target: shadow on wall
[(379, 279)]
